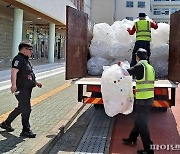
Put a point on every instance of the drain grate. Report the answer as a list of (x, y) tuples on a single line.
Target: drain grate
[(95, 137)]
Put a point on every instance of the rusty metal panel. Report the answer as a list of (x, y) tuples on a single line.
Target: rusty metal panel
[(174, 48), (76, 43)]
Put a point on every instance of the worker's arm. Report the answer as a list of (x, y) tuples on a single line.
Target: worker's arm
[(137, 71), (131, 31), (14, 72), (154, 25)]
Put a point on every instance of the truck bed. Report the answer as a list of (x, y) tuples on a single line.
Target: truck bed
[(97, 81)]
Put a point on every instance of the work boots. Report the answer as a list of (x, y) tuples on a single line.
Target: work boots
[(129, 141), (6, 126), (145, 152), (28, 134)]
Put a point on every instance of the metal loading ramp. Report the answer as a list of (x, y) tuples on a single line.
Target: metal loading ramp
[(96, 135)]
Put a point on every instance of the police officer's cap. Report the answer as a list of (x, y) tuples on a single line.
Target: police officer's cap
[(142, 54), (24, 45)]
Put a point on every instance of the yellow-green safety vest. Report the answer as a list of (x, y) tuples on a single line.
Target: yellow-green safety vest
[(143, 30), (145, 86)]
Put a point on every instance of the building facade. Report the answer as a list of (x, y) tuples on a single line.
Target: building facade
[(129, 9), (162, 9), (112, 10), (43, 23)]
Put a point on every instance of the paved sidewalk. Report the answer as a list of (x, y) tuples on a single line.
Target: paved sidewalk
[(40, 65), (53, 107)]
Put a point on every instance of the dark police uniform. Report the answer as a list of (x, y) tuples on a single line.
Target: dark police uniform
[(25, 82)]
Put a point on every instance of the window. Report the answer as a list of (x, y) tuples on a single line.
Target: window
[(161, 0), (175, 0), (129, 18), (156, 12), (161, 11), (129, 3), (174, 10), (141, 4)]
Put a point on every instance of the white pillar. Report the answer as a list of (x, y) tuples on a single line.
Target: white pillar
[(17, 30), (51, 43)]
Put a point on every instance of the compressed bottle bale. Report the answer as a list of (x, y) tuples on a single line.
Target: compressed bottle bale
[(114, 43)]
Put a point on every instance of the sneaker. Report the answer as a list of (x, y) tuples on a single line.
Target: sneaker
[(129, 141), (8, 128), (29, 134), (145, 152)]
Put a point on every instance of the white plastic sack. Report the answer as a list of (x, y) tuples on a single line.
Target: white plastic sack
[(161, 35), (100, 48), (95, 65), (159, 60), (113, 43), (116, 91)]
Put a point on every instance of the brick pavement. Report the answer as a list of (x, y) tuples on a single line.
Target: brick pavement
[(45, 115)]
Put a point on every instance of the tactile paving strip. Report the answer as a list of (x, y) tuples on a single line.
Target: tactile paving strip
[(95, 137)]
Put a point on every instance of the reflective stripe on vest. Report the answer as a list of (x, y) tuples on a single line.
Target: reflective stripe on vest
[(143, 30), (145, 86)]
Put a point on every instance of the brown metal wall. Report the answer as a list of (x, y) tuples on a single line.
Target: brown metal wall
[(174, 48), (76, 43)]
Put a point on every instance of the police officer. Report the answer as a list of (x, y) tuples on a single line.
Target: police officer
[(145, 76), (22, 80), (143, 35)]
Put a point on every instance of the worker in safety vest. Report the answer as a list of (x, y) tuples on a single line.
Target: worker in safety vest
[(143, 35), (145, 77)]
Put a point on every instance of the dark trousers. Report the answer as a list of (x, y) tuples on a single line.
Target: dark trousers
[(140, 44), (24, 108), (141, 126)]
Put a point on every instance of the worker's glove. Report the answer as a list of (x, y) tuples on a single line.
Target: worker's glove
[(119, 63), (128, 29)]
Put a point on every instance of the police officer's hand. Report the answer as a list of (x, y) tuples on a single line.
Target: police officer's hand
[(38, 84), (13, 88)]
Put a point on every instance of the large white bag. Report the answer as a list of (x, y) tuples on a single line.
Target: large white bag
[(116, 91)]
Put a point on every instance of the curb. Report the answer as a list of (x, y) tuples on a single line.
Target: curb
[(52, 137), (107, 147)]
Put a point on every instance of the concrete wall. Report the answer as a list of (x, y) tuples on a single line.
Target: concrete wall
[(87, 7), (6, 29), (6, 34), (53, 8), (102, 11)]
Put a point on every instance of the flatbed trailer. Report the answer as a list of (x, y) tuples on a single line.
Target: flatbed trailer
[(164, 91), (79, 32)]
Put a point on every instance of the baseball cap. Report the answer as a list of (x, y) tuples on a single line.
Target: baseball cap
[(24, 45)]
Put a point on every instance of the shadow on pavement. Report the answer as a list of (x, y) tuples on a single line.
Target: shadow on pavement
[(10, 142), (69, 141)]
